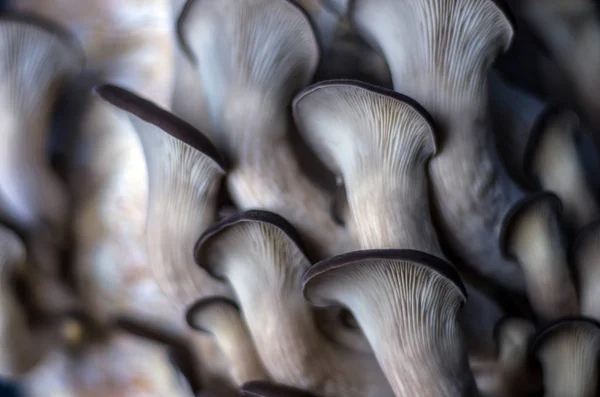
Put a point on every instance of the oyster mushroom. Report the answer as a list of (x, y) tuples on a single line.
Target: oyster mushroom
[(265, 389), (38, 60), (552, 159), (221, 318), (407, 304), (586, 258), (185, 172), (252, 56), (259, 254), (532, 235), (444, 67), (568, 353)]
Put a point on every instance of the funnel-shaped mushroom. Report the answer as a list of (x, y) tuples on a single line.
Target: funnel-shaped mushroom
[(185, 174), (444, 67), (552, 159), (259, 254), (406, 303), (568, 353), (252, 57), (378, 141), (221, 318), (532, 235), (586, 258), (265, 389), (18, 352), (36, 60)]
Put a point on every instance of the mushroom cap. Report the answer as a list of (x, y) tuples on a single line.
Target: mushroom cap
[(267, 389), (335, 116), (557, 327), (321, 277), (199, 315), (157, 116), (528, 203)]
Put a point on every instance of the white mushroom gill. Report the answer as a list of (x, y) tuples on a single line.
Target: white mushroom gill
[(532, 235), (185, 175), (444, 67), (221, 318), (258, 253), (252, 57), (406, 303), (568, 352), (586, 258), (36, 60)]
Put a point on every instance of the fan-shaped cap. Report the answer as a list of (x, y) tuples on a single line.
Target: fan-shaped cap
[(266, 389)]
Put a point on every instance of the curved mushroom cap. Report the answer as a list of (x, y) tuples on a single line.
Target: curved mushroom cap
[(407, 304), (18, 351), (265, 389), (185, 173), (379, 142), (221, 318), (260, 255), (568, 351), (552, 160), (531, 233), (586, 258), (37, 59)]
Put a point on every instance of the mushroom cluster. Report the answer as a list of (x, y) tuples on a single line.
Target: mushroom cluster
[(299, 198)]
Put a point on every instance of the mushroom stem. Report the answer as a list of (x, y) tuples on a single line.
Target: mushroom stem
[(415, 335), (586, 257), (252, 57), (532, 235), (444, 67), (185, 174)]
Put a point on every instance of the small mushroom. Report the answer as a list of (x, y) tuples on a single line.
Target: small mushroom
[(568, 353), (37, 60), (586, 258), (252, 56), (532, 235), (444, 67), (553, 161), (259, 254), (406, 303), (221, 318), (185, 173), (265, 389)]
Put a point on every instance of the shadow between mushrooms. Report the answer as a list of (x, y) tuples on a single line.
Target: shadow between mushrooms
[(185, 174), (407, 304), (265, 389), (259, 254), (444, 67), (586, 259), (252, 56)]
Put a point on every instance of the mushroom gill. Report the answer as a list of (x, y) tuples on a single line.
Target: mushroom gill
[(252, 57), (568, 353), (259, 254), (532, 235), (444, 67), (184, 173), (221, 318), (553, 161), (586, 259), (407, 304)]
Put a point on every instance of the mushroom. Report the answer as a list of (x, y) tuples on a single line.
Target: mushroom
[(407, 303), (38, 60), (518, 376), (552, 159), (265, 389), (568, 353), (185, 173), (586, 259), (19, 351), (260, 255), (378, 143), (444, 67), (221, 318), (252, 56), (532, 235)]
